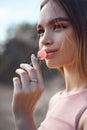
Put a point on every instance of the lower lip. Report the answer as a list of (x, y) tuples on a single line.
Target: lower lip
[(50, 55)]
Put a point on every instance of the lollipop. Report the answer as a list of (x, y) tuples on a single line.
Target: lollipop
[(41, 54)]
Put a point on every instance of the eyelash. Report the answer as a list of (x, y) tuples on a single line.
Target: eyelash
[(56, 27), (59, 26), (40, 32)]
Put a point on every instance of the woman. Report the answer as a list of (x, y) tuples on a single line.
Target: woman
[(62, 30)]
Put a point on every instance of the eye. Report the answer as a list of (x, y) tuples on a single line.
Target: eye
[(60, 26), (40, 32)]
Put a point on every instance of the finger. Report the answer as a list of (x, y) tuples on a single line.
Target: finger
[(24, 79), (17, 85), (35, 62), (32, 75), (36, 66), (31, 71)]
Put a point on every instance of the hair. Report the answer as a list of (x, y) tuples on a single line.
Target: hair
[(77, 14)]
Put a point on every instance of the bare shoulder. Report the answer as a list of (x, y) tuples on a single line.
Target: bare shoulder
[(83, 121)]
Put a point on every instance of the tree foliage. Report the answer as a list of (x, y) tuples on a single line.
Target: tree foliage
[(18, 50)]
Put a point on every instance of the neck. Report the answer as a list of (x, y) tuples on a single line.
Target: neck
[(73, 80)]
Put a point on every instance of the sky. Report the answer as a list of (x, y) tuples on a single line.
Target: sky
[(13, 12)]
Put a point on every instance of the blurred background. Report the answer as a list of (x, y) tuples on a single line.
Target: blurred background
[(18, 40)]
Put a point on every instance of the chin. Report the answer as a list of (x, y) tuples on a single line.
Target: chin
[(54, 65), (51, 65)]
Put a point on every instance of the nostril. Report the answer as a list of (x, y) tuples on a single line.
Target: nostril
[(47, 42)]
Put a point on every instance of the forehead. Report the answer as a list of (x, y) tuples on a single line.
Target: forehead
[(50, 11)]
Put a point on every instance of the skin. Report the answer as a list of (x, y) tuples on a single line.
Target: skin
[(64, 41), (61, 42), (56, 38), (26, 94)]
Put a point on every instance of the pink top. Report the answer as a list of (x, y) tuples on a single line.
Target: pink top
[(65, 111)]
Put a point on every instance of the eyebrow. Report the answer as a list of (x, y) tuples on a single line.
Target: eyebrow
[(59, 19), (43, 3)]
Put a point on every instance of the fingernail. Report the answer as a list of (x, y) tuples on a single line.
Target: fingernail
[(21, 65), (33, 56)]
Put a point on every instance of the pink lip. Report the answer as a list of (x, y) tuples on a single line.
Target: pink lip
[(50, 53)]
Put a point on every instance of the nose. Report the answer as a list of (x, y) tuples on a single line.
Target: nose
[(46, 39)]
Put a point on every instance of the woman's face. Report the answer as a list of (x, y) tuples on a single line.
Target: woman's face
[(56, 36)]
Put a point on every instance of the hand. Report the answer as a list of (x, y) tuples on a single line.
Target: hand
[(27, 89)]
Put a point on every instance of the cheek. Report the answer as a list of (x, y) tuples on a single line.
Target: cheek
[(69, 39), (69, 48)]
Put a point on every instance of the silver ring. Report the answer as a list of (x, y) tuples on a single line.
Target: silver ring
[(33, 80)]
